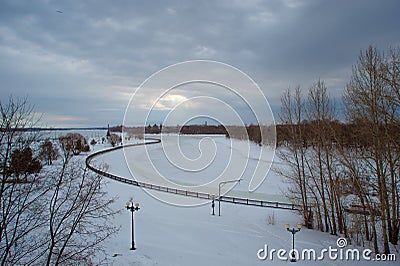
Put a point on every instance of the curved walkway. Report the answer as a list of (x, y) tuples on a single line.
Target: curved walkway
[(187, 193)]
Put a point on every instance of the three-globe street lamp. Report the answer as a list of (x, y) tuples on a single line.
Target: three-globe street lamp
[(219, 192), (293, 231), (132, 207)]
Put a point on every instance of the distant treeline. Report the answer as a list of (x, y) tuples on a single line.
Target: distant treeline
[(203, 129), (347, 135), (35, 129), (264, 135), (344, 134)]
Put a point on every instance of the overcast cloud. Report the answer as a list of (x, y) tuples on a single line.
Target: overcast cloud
[(80, 66)]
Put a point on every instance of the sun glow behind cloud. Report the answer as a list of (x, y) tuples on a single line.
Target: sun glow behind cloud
[(170, 101)]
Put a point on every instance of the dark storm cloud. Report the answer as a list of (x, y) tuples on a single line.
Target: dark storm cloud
[(85, 61)]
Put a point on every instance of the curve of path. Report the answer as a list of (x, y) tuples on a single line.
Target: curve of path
[(187, 193)]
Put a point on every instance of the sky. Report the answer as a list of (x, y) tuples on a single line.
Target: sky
[(80, 62)]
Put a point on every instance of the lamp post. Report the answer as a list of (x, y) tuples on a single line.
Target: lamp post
[(132, 207), (219, 192), (293, 231)]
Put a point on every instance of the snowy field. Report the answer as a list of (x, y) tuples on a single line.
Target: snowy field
[(200, 163), (171, 235)]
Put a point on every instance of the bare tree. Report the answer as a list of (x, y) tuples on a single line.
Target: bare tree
[(114, 139), (73, 144), (20, 207), (321, 113), (342, 172), (58, 215), (48, 152), (292, 114), (79, 215), (370, 102), (391, 77)]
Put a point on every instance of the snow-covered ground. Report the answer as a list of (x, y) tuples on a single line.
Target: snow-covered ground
[(200, 163), (171, 235)]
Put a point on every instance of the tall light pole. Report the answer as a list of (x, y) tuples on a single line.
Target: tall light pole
[(293, 231), (132, 207), (219, 192)]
